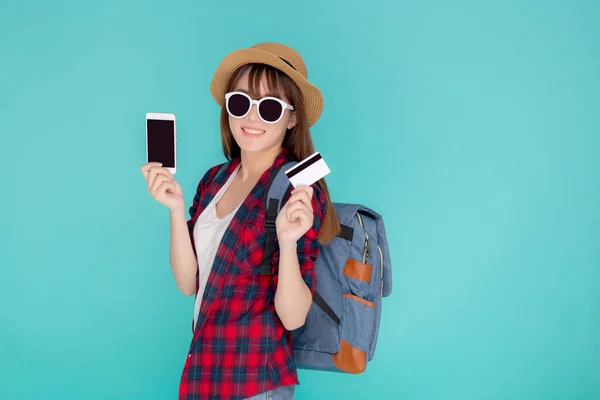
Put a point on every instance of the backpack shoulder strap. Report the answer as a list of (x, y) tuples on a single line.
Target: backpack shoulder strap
[(221, 170), (279, 186), (274, 201)]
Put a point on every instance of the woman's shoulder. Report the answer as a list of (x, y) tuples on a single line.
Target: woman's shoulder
[(210, 174), (212, 171)]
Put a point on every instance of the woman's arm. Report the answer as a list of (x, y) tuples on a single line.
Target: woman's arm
[(298, 227), (292, 297), (165, 189), (184, 264)]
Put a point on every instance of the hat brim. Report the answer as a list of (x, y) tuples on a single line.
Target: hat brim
[(313, 98)]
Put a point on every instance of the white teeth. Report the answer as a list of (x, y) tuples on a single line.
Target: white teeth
[(253, 131)]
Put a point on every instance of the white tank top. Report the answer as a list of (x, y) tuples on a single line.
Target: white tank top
[(208, 232)]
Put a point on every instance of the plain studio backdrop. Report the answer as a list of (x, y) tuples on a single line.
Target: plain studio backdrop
[(472, 127)]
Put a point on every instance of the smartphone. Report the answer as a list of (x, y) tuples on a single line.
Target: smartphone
[(161, 140)]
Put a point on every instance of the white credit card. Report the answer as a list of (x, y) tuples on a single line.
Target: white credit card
[(308, 171)]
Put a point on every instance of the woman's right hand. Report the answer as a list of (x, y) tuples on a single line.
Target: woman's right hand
[(162, 186)]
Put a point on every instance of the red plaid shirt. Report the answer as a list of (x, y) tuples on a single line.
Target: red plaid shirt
[(240, 347)]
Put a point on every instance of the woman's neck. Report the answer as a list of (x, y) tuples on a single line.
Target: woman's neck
[(255, 163)]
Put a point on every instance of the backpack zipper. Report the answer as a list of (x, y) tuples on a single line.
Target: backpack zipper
[(381, 257), (367, 250)]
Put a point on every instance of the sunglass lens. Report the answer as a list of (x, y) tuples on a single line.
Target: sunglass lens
[(238, 105), (270, 110)]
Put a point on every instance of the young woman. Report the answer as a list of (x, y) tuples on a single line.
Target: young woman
[(241, 346)]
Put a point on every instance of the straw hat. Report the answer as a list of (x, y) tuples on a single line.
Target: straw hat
[(276, 55)]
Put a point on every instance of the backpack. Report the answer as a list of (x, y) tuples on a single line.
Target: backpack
[(353, 275)]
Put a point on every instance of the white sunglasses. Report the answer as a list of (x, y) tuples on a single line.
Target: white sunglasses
[(270, 109)]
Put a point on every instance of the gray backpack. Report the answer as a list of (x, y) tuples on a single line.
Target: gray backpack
[(353, 275)]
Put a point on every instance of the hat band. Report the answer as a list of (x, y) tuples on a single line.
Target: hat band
[(285, 61)]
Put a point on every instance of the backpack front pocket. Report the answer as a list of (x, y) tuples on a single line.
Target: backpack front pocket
[(358, 276), (357, 330)]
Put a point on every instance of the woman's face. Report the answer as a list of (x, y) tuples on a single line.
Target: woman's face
[(251, 133)]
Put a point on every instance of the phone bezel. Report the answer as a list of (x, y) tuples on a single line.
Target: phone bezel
[(164, 117)]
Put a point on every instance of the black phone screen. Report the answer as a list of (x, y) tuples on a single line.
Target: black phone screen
[(161, 142)]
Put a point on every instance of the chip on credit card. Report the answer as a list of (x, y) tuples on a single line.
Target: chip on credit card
[(308, 171)]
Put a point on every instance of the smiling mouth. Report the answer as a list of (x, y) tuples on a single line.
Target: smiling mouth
[(256, 132)]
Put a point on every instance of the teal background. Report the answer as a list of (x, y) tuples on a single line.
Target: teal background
[(473, 127)]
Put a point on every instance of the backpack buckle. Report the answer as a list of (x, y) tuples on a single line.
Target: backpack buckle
[(271, 216), (270, 224)]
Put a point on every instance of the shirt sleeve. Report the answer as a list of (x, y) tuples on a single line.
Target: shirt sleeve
[(308, 245)]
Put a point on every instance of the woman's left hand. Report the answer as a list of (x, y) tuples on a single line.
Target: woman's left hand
[(296, 217)]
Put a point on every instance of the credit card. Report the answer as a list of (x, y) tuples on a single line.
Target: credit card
[(308, 171)]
